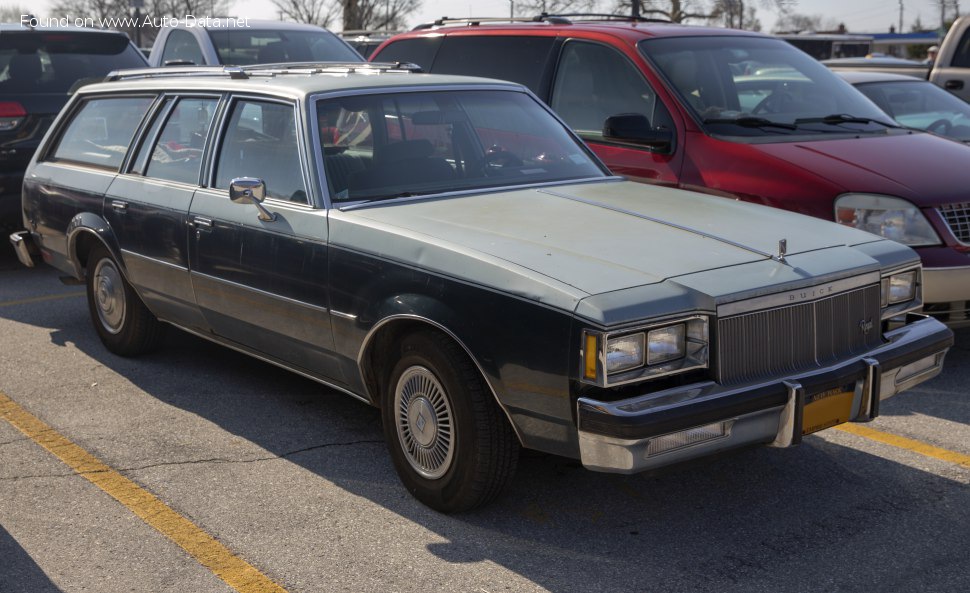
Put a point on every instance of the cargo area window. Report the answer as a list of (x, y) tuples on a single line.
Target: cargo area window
[(101, 131)]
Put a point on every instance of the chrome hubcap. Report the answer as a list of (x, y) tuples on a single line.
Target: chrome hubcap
[(424, 422), (109, 296)]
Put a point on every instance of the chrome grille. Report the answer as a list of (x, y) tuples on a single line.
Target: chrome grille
[(799, 337), (957, 217)]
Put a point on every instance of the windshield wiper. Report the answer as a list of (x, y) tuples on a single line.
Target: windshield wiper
[(751, 122), (843, 118)]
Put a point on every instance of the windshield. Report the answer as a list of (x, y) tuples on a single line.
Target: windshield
[(922, 105), (34, 62), (737, 84), (392, 145), (241, 47)]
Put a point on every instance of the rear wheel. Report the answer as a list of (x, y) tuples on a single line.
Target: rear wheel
[(122, 321), (451, 444)]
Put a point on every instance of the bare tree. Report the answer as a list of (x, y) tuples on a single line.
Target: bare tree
[(378, 14), (13, 14), (676, 11), (534, 7), (315, 12), (794, 22)]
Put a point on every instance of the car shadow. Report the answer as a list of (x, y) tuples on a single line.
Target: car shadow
[(19, 572), (758, 516)]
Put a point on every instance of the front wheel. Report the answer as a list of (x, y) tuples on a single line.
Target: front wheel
[(122, 321), (451, 445)]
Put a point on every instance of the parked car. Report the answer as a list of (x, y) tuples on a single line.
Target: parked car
[(444, 248), (732, 113), (366, 41), (38, 69), (915, 103), (879, 64), (241, 42)]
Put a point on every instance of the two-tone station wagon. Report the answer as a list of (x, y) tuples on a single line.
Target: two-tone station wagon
[(446, 249)]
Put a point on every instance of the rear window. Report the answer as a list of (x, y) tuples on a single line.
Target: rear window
[(101, 130), (517, 59), (241, 47), (33, 62)]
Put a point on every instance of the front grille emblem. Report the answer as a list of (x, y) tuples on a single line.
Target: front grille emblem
[(865, 325)]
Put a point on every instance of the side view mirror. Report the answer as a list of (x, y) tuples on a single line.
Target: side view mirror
[(250, 190), (634, 128)]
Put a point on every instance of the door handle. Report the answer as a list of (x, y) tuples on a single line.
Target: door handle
[(201, 222), (953, 85), (119, 205)]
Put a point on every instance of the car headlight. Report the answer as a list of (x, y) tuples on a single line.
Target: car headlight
[(642, 353), (898, 288), (889, 217)]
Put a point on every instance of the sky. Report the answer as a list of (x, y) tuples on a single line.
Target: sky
[(866, 16)]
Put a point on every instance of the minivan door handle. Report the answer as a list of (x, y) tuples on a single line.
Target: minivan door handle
[(953, 85), (119, 205)]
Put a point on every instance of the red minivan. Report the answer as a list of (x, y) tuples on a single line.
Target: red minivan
[(731, 113)]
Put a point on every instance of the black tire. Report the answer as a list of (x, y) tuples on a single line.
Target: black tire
[(451, 444), (123, 322)]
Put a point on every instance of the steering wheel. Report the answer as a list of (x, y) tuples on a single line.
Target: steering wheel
[(497, 157), (944, 126), (776, 102)]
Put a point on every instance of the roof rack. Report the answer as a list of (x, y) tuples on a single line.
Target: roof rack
[(545, 17), (474, 22), (244, 72)]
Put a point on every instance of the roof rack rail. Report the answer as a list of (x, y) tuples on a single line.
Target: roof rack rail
[(244, 72), (474, 22), (606, 17)]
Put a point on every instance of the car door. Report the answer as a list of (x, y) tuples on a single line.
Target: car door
[(593, 82), (147, 207), (262, 284)]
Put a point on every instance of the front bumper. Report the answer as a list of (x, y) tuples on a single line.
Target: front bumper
[(675, 425)]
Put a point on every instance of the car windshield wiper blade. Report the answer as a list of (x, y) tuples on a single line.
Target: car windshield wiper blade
[(751, 122), (835, 119)]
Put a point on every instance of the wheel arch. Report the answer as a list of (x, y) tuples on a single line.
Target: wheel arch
[(392, 328), (84, 232)]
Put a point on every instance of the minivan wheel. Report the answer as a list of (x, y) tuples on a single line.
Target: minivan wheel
[(123, 322), (451, 445)]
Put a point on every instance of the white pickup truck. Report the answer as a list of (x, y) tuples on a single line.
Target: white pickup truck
[(950, 71)]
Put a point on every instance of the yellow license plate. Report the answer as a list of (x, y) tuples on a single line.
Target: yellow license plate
[(828, 408)]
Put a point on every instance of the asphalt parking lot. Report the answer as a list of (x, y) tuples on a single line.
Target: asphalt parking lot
[(290, 488)]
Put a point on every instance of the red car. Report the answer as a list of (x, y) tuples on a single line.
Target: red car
[(732, 113)]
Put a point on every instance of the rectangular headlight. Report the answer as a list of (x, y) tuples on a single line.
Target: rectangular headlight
[(899, 288), (624, 353), (668, 343)]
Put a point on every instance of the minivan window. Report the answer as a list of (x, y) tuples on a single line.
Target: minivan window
[(260, 141), (594, 82), (518, 59), (177, 155), (386, 146), (416, 50), (101, 130), (245, 46), (35, 62), (736, 84)]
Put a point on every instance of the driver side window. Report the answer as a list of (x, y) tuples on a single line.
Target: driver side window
[(594, 82)]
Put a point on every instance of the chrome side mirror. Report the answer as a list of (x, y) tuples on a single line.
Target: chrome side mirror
[(251, 190)]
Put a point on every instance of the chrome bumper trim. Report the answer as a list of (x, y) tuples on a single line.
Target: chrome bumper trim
[(21, 244)]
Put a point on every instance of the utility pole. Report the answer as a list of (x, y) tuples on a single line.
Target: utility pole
[(900, 29)]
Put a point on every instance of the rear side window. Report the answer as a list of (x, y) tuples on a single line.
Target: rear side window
[(178, 153), (34, 62), (517, 59), (101, 130), (417, 50)]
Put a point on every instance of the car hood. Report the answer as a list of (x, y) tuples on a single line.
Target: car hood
[(923, 168), (593, 238)]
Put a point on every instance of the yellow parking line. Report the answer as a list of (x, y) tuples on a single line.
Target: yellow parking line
[(908, 444), (41, 299), (236, 572)]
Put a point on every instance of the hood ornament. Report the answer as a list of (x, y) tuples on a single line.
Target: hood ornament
[(782, 250)]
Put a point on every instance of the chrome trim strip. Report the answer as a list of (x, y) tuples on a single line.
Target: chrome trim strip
[(786, 424), (153, 260), (243, 350), (700, 233), (261, 292), (797, 296), (20, 246), (343, 315), (373, 331)]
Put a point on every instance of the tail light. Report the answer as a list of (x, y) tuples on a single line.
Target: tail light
[(11, 115)]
